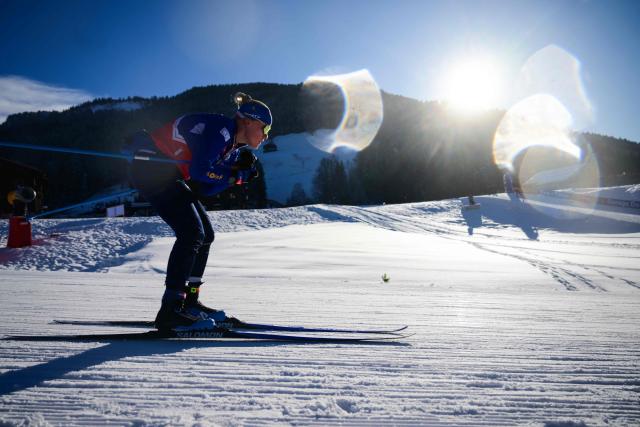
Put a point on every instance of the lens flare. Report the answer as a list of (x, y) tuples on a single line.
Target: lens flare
[(536, 141), (540, 120), (555, 71), (362, 110), (547, 186)]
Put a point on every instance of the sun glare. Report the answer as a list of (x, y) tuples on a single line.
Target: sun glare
[(473, 85)]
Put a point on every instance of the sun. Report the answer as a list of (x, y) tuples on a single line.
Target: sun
[(473, 85)]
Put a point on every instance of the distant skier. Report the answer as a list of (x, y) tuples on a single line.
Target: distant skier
[(216, 149), (511, 187)]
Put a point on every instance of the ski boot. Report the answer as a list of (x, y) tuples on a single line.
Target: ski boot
[(193, 306), (172, 313)]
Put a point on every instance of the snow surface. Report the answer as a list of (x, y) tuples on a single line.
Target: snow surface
[(521, 316)]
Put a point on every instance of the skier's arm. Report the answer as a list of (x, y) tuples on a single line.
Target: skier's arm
[(245, 166), (208, 171), (209, 178), (238, 168)]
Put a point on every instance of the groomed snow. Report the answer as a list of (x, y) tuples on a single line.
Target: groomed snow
[(520, 318)]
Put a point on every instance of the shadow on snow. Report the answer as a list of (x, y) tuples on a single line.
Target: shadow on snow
[(32, 376), (529, 219)]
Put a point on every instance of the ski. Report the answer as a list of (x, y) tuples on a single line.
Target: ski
[(235, 324), (215, 333)]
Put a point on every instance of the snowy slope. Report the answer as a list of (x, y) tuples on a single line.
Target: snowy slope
[(520, 318), (295, 162)]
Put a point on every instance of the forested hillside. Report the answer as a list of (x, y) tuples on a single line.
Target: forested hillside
[(422, 151)]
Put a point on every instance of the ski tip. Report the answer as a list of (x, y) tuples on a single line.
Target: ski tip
[(393, 337)]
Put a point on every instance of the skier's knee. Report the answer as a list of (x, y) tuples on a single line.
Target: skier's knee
[(208, 238), (199, 238), (194, 239)]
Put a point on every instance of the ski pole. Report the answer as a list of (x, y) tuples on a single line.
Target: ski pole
[(113, 196), (94, 153)]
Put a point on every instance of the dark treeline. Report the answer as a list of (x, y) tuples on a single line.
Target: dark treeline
[(422, 151)]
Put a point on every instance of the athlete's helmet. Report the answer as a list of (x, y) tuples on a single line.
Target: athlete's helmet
[(253, 109)]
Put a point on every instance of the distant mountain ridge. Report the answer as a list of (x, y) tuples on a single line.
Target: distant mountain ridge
[(422, 151)]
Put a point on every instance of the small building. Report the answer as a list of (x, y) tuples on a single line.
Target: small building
[(14, 174)]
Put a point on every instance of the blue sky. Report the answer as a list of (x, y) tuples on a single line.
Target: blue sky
[(63, 52)]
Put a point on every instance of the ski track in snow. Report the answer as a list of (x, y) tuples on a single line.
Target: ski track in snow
[(479, 358), (509, 330)]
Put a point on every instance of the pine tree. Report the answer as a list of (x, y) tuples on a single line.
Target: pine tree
[(330, 182), (298, 196)]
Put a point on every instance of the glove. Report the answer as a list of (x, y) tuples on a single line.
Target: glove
[(246, 160), (246, 176)]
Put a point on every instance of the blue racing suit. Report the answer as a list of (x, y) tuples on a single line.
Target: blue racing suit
[(204, 143)]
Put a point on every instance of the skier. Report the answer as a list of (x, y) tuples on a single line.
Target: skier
[(214, 154), (511, 186)]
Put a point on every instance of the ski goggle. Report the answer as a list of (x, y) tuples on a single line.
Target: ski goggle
[(266, 129)]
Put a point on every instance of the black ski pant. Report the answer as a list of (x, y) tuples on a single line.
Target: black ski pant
[(162, 185)]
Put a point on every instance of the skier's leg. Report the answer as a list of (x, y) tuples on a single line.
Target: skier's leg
[(195, 279), (162, 186), (176, 206), (200, 262)]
